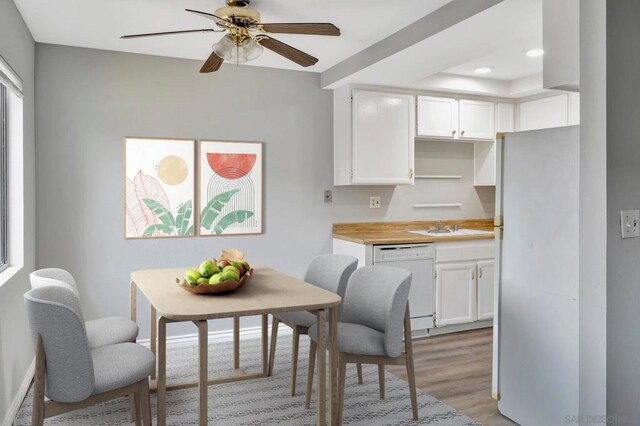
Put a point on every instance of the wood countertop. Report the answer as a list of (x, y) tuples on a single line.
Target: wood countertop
[(398, 232)]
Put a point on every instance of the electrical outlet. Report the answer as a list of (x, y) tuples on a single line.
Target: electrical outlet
[(374, 202), (328, 196), (630, 223)]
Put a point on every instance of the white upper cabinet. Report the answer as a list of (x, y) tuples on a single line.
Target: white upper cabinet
[(451, 118), (505, 117), (476, 119), (437, 117), (373, 138), (543, 113)]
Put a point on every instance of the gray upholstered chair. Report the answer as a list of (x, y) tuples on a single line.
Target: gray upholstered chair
[(374, 311), (328, 271), (102, 331), (73, 375)]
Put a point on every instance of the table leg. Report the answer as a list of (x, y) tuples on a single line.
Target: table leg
[(132, 301), (321, 365), (203, 375), (152, 337), (162, 371), (236, 342), (265, 361), (333, 364)]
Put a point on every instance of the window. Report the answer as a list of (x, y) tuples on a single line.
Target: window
[(4, 217), (11, 172)]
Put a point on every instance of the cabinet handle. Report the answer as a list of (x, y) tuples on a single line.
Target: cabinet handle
[(462, 134), (410, 173), (479, 272), (453, 133), (473, 274)]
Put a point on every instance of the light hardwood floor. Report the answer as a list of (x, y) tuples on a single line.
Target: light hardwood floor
[(456, 369)]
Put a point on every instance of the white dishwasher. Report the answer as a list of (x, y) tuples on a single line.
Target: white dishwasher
[(419, 260)]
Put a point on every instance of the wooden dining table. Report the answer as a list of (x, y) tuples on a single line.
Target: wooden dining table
[(268, 291)]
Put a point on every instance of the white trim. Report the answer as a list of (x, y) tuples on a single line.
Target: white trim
[(181, 340), (14, 407), (436, 206), (10, 78)]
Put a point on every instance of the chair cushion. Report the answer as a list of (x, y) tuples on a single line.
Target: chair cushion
[(120, 365), (356, 339), (110, 330), (303, 318)]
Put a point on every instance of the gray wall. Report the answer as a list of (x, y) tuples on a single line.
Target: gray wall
[(89, 100), (18, 48), (623, 192), (593, 208)]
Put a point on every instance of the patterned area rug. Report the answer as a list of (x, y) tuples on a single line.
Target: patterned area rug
[(264, 401)]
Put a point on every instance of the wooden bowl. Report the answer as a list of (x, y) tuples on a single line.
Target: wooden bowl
[(220, 288)]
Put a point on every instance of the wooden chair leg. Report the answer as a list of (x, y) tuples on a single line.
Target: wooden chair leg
[(342, 371), (359, 368), (143, 401), (294, 359), (312, 366), (381, 379), (275, 323), (134, 406), (37, 416), (411, 375)]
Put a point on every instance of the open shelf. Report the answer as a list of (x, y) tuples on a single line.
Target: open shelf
[(438, 177)]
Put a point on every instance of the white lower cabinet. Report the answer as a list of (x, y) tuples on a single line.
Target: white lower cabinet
[(455, 293), (464, 282), (485, 271)]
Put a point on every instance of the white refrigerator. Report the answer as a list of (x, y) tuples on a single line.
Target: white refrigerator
[(535, 359)]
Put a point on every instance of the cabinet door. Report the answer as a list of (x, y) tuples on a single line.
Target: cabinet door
[(505, 117), (456, 300), (382, 138), (485, 289), (543, 113), (476, 119), (437, 117)]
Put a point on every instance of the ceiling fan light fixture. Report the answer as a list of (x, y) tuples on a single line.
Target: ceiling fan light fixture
[(252, 50), (224, 48)]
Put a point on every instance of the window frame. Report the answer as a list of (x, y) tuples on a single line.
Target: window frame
[(4, 187)]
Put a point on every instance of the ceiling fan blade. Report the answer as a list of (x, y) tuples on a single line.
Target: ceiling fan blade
[(301, 28), (212, 63), (206, 30), (291, 53), (209, 16)]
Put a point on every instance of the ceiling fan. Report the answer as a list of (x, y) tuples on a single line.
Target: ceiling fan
[(245, 39)]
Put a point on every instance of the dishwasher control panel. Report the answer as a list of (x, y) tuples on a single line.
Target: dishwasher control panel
[(394, 253)]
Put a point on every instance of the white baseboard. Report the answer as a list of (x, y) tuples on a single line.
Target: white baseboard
[(181, 340), (14, 407)]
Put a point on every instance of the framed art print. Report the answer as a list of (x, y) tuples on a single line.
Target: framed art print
[(230, 188), (159, 188)]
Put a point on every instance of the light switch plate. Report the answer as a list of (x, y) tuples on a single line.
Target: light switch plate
[(328, 196), (374, 202), (630, 223)]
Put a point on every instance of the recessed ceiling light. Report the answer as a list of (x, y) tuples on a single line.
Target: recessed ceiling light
[(483, 70), (535, 53)]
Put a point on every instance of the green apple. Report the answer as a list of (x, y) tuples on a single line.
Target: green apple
[(230, 274), (202, 280), (215, 279), (192, 276), (208, 268)]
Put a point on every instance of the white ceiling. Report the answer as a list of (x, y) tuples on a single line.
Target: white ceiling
[(99, 24), (497, 37), (507, 64)]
